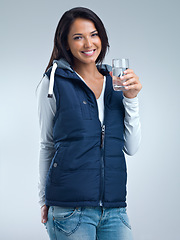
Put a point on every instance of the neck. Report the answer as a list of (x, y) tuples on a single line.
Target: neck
[(86, 70)]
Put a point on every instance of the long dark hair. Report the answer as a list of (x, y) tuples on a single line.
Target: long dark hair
[(62, 30)]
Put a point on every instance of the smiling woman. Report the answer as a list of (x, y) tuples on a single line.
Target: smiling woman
[(85, 129), (84, 42), (60, 49)]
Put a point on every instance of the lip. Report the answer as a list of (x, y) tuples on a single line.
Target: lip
[(89, 52)]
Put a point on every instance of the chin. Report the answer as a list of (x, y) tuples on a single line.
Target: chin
[(90, 60), (86, 60)]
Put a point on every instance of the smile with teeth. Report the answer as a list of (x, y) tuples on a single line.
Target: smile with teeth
[(89, 53)]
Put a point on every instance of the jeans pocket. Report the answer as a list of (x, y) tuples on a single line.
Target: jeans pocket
[(66, 220), (124, 217)]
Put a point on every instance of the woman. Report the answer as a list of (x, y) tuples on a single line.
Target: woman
[(86, 127)]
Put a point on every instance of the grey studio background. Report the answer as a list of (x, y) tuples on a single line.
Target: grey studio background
[(147, 32)]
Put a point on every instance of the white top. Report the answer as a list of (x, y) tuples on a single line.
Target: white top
[(100, 103), (46, 113)]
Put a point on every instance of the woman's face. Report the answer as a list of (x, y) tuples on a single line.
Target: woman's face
[(84, 41)]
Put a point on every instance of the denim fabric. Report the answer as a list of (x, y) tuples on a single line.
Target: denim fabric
[(88, 223)]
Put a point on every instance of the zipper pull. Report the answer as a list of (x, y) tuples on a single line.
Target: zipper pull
[(102, 135)]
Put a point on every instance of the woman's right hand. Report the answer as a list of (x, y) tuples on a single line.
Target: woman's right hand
[(44, 214)]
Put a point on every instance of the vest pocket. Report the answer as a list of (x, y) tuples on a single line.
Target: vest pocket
[(85, 110), (57, 163), (84, 104)]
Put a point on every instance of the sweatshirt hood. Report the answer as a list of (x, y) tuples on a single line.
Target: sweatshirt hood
[(63, 64)]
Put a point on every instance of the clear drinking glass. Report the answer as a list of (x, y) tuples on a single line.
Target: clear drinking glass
[(118, 67)]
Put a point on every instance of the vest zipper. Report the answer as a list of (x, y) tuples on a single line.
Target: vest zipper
[(102, 151), (102, 165)]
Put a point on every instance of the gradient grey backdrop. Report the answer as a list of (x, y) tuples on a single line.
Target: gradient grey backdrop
[(147, 32)]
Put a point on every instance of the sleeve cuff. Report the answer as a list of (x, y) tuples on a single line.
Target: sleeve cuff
[(131, 100)]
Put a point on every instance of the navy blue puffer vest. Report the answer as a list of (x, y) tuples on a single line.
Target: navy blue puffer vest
[(87, 169)]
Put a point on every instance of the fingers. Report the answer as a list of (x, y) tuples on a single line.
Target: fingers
[(44, 214), (128, 71), (130, 81), (133, 84), (130, 87), (130, 77)]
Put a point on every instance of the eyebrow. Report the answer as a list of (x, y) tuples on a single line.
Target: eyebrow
[(81, 33)]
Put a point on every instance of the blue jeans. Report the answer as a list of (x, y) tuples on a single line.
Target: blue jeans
[(88, 223)]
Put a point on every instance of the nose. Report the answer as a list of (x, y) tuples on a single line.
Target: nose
[(87, 43)]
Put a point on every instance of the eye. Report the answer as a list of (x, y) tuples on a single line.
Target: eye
[(77, 38), (95, 34)]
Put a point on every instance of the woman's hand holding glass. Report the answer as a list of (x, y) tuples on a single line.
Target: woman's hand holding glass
[(132, 85)]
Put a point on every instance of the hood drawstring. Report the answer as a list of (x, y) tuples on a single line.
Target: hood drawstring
[(51, 82)]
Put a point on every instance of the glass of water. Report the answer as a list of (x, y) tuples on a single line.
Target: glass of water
[(118, 67)]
